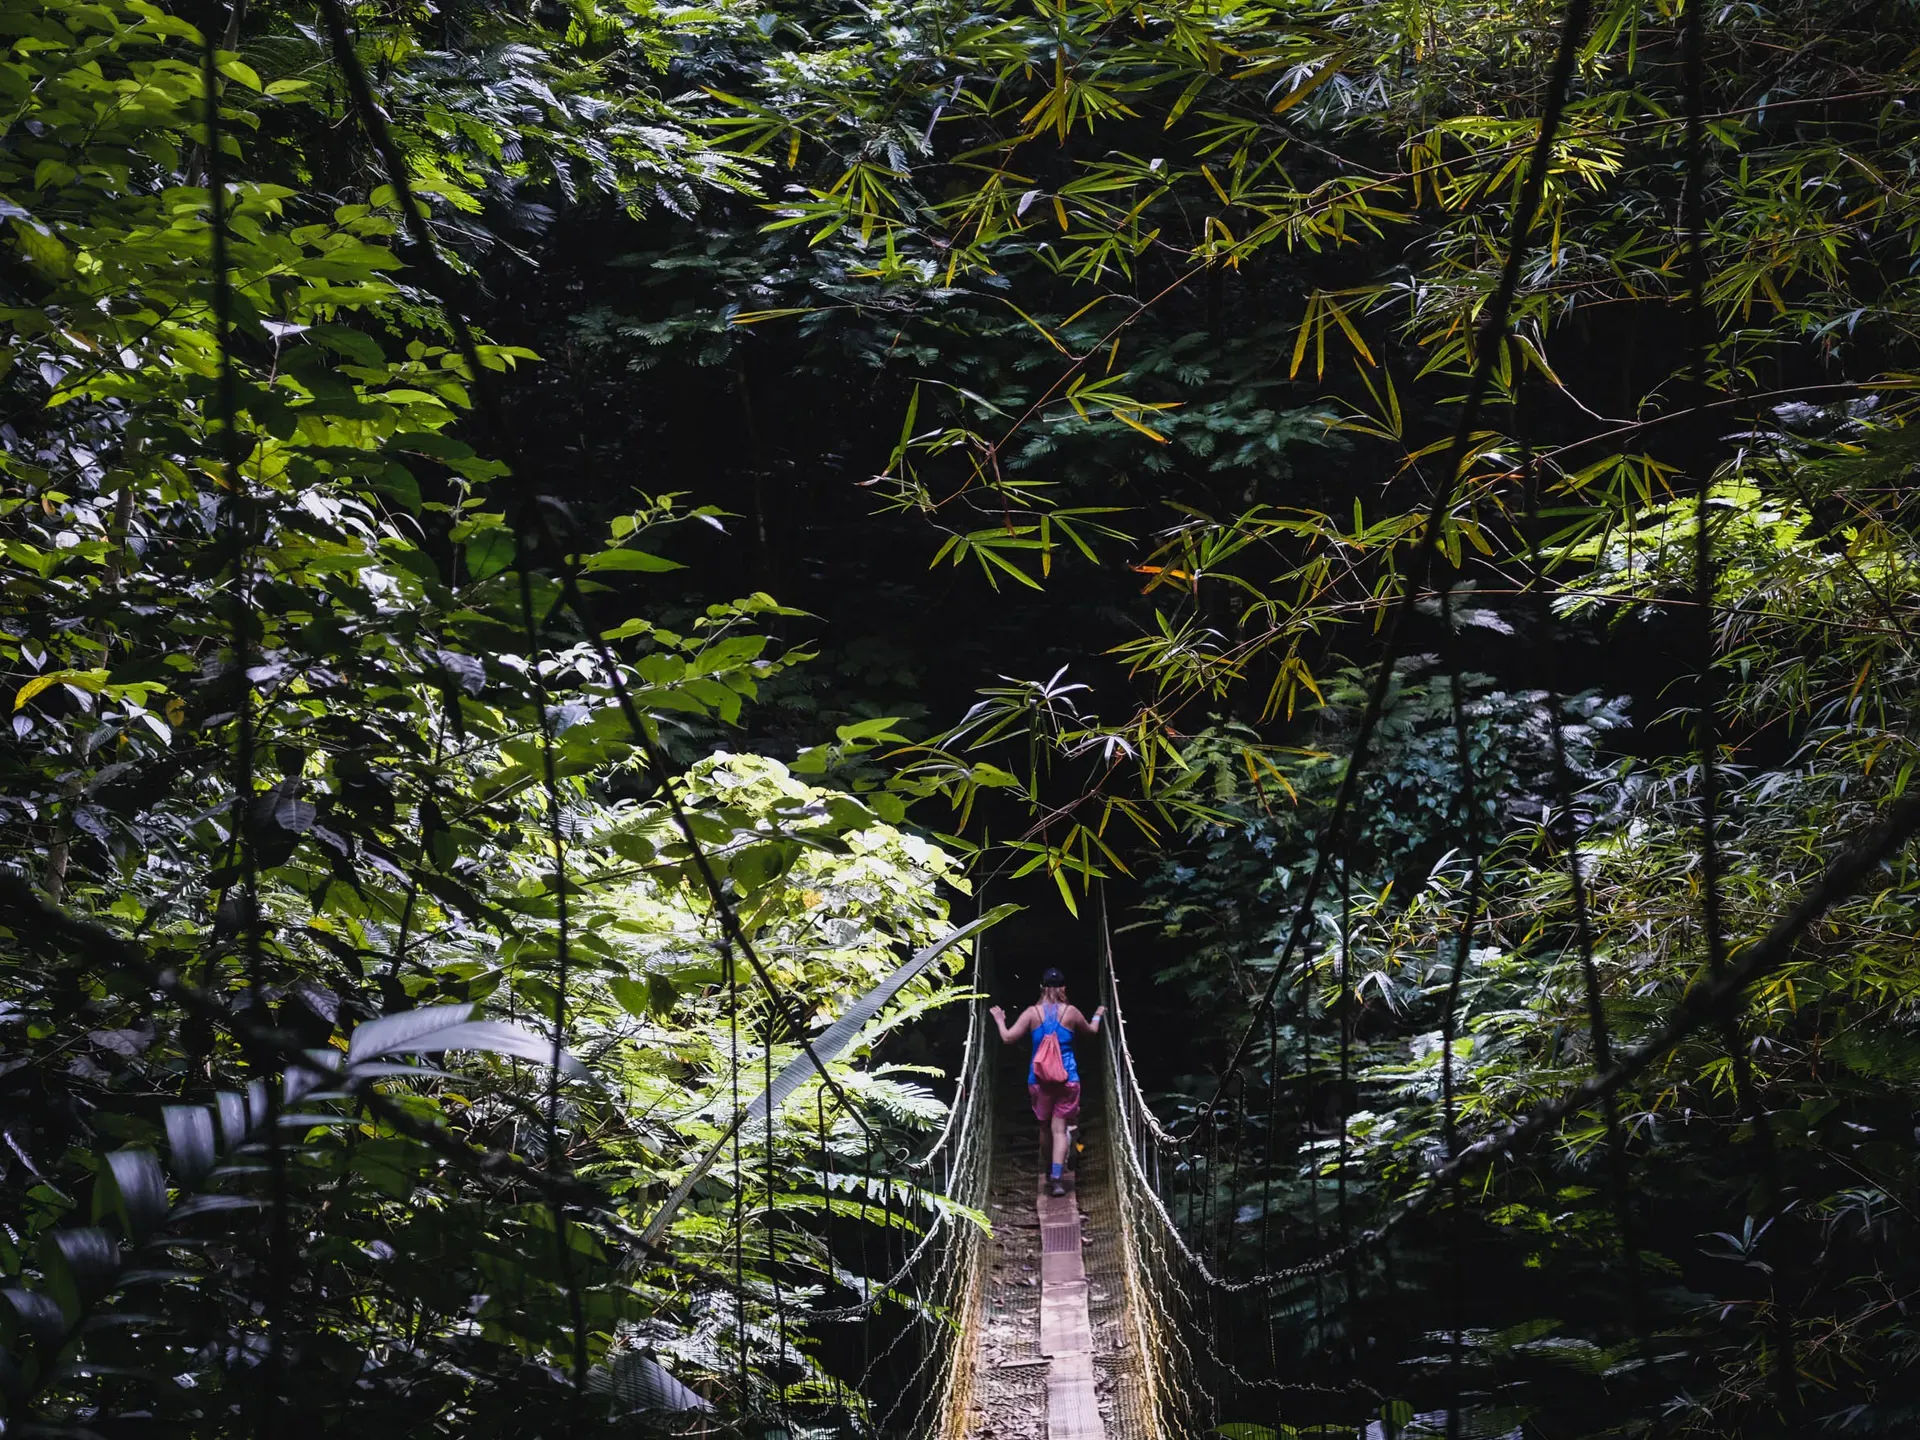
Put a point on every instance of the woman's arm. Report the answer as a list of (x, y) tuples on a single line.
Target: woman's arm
[(1080, 1024), (1011, 1033)]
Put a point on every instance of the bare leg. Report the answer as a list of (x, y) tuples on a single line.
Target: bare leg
[(1060, 1140)]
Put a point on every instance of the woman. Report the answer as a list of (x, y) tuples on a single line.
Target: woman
[(1057, 1106)]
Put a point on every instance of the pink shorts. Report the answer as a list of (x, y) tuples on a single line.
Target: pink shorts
[(1052, 1100)]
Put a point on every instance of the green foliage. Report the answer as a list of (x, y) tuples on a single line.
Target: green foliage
[(1133, 335), (1753, 1204), (314, 772)]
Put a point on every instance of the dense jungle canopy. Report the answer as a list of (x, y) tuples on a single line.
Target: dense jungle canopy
[(547, 546)]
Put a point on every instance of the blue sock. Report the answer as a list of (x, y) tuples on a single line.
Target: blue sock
[(1056, 1171)]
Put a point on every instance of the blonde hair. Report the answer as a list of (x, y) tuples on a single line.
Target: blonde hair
[(1053, 994)]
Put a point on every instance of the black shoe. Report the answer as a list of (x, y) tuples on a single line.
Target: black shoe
[(1058, 1187)]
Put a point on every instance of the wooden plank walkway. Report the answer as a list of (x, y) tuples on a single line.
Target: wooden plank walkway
[(1066, 1330), (1054, 1357)]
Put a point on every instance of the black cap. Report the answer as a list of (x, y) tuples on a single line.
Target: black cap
[(1052, 976)]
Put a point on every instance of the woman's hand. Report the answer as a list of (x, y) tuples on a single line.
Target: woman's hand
[(997, 1013)]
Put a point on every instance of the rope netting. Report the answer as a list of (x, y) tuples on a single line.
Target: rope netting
[(915, 1322), (1169, 1290), (1206, 1304)]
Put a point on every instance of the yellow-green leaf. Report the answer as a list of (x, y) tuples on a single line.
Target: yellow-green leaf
[(88, 680), (624, 559)]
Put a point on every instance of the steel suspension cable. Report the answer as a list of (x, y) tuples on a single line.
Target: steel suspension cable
[(823, 1143), (774, 1372), (1268, 1166), (1312, 1168), (1346, 1002), (739, 1221), (866, 1271)]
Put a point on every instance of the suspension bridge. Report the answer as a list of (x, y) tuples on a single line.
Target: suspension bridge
[(942, 1294), (1145, 1303), (1016, 1314)]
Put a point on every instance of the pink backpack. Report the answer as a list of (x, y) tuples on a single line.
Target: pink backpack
[(1048, 1067)]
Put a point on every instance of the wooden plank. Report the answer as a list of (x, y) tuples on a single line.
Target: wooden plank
[(1063, 1269), (1066, 1329), (1073, 1404), (1060, 1237), (1057, 1209), (1064, 1326)]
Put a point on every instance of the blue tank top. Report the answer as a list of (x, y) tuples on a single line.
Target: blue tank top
[(1050, 1024)]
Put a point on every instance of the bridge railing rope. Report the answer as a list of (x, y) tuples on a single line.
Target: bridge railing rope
[(1200, 1330), (900, 1235), (1204, 1334), (1167, 1299), (916, 1380)]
